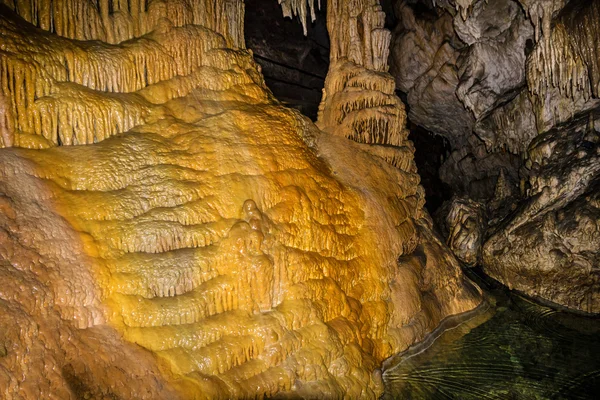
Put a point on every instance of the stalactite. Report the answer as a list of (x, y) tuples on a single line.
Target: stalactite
[(32, 84), (541, 13), (115, 22), (74, 116), (558, 65), (581, 20), (357, 33), (299, 8), (567, 56)]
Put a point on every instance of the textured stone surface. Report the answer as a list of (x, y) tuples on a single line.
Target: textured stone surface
[(510, 127), (473, 172), (549, 247), (492, 70), (464, 225), (424, 57), (487, 21), (526, 73), (169, 230)]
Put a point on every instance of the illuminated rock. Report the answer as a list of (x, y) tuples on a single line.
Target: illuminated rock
[(201, 240), (548, 247)]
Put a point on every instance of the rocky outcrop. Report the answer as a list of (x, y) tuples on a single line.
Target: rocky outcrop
[(464, 224), (169, 230), (525, 73), (549, 248), (492, 68), (449, 69), (424, 57)]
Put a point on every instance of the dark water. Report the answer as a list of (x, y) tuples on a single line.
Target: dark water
[(512, 348)]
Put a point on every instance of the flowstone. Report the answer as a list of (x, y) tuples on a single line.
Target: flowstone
[(169, 230)]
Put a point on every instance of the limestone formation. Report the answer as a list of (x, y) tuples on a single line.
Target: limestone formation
[(424, 61), (358, 101), (549, 248), (464, 225), (526, 74), (169, 230), (492, 69), (516, 120)]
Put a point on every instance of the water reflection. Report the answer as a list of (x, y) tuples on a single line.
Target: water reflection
[(511, 349)]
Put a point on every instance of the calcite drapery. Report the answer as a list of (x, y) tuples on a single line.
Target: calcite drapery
[(244, 252), (115, 21), (53, 93), (563, 71)]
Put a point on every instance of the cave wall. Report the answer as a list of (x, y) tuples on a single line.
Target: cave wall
[(512, 85)]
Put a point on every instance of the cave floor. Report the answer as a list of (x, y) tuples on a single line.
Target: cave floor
[(512, 348)]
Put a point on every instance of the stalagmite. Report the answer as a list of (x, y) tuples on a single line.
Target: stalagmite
[(359, 100)]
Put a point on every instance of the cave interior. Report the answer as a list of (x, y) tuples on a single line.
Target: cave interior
[(215, 199)]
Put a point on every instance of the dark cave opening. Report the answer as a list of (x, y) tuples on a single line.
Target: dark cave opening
[(431, 151), (294, 65)]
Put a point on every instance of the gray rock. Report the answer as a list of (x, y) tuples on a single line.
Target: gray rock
[(424, 56), (507, 86), (509, 127), (492, 70), (487, 20), (550, 247), (464, 227)]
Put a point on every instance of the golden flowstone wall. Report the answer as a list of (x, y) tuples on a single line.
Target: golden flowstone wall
[(205, 242)]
